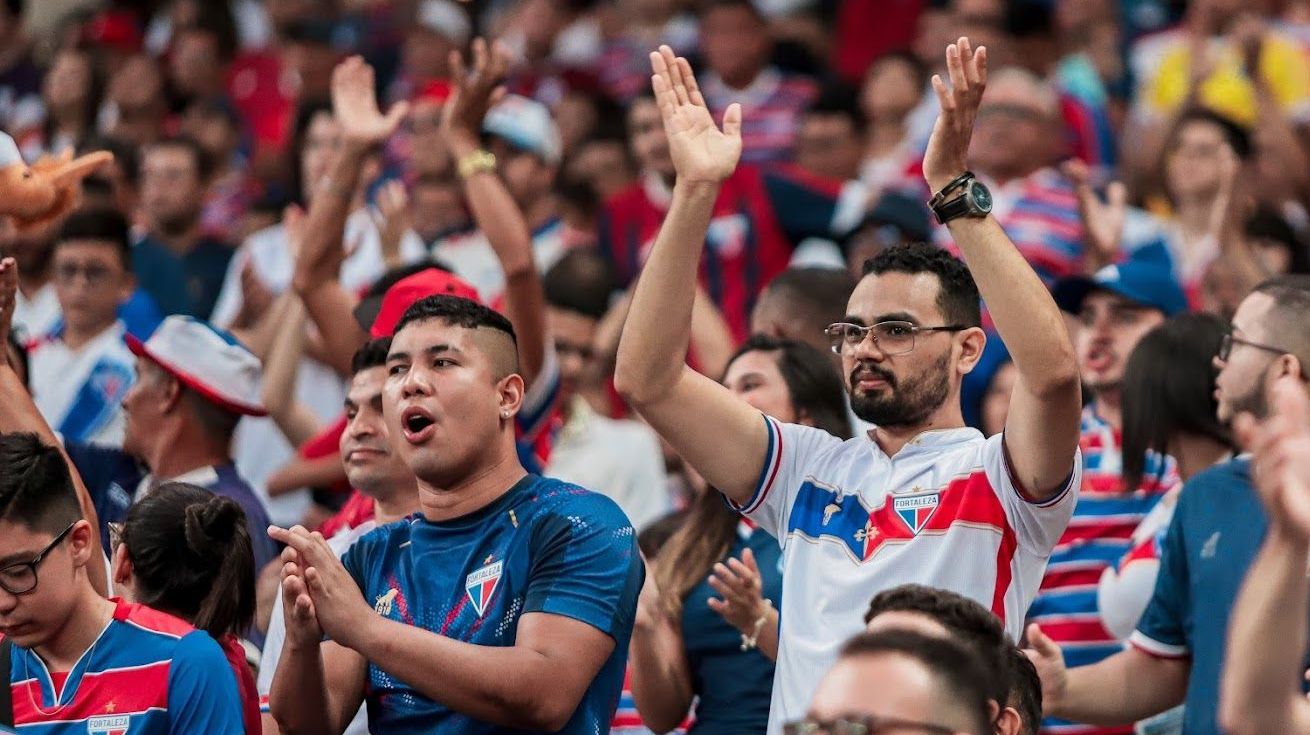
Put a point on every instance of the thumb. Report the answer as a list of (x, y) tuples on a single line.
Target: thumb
[(748, 558), (1117, 195), (1041, 643), (732, 121), (397, 113), (1077, 172)]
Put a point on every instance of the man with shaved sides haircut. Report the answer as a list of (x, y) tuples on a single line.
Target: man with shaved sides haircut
[(507, 602)]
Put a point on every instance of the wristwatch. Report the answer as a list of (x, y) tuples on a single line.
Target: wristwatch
[(975, 201), (477, 162)]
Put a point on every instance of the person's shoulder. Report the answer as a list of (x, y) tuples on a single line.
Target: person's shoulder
[(1213, 483), (154, 622), (564, 499), (368, 543)]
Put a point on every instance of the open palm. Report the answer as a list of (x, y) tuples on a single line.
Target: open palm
[(700, 151), (355, 104)]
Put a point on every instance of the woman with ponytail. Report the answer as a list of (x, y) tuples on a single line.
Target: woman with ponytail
[(186, 551)]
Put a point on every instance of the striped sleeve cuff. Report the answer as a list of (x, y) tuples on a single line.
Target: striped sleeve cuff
[(1156, 649), (768, 472)]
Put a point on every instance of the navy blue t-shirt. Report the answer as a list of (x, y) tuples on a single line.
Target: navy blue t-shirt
[(186, 284), (1212, 541), (734, 686), (544, 546)]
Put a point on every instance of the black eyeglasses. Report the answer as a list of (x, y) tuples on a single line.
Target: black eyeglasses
[(862, 726), (1228, 340), (20, 578), (892, 338)]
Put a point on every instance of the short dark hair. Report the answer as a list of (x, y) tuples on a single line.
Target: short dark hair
[(1168, 390), (836, 99), (1237, 136), (814, 384), (1025, 691), (711, 5), (372, 355), (101, 225), (192, 557), (1268, 224), (960, 677), (964, 618), (1289, 315), (818, 295), (958, 299), (36, 488), (204, 165), (581, 281), (456, 311)]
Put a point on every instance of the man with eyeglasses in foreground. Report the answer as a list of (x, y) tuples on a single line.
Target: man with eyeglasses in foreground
[(1178, 649), (922, 498), (900, 681)]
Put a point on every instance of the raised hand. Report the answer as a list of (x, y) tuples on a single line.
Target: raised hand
[(701, 152), (948, 148), (1103, 221), (1049, 662), (355, 104), (739, 585), (474, 91), (1280, 448), (394, 219), (8, 301)]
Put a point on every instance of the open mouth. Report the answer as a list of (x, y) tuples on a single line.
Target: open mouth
[(417, 424)]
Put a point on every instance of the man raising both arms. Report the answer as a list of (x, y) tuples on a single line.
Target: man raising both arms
[(921, 499)]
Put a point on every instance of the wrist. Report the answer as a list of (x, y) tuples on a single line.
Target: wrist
[(462, 144), (697, 188), (937, 182)]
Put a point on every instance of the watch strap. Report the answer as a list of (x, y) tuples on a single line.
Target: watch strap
[(957, 183), (955, 208)]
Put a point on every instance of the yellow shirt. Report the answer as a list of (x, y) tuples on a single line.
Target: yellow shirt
[(1228, 91)]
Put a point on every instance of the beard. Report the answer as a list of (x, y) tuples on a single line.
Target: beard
[(1254, 402), (902, 404)]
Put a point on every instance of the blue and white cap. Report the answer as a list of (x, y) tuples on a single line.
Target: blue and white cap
[(1144, 282), (207, 360), (9, 154), (527, 125)]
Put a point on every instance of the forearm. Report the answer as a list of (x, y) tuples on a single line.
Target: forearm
[(331, 309), (507, 231), (1259, 692), (767, 641), (710, 336), (661, 679), (1122, 689), (325, 223), (653, 348), (282, 361), (509, 686), (298, 699)]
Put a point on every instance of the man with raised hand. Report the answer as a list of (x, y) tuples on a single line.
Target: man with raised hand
[(921, 498)]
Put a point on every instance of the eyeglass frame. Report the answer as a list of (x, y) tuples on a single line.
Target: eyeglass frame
[(35, 562), (870, 725), (1227, 341), (839, 340)]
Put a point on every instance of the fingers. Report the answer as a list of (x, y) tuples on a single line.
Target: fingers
[(397, 114), (955, 66), (944, 97), (732, 121), (458, 72), (1116, 195), (1040, 643), (689, 79), (676, 80), (748, 559)]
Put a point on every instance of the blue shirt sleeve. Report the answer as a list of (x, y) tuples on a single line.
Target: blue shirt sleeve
[(585, 566), (202, 689), (1162, 630)]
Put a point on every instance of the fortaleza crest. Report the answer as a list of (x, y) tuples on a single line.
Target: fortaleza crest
[(108, 725), (915, 510), (481, 585)]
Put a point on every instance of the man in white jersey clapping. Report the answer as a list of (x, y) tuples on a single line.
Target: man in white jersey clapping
[(920, 498)]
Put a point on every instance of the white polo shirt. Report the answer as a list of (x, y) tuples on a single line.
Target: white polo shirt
[(943, 512)]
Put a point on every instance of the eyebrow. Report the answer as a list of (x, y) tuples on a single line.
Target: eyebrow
[(19, 558), (895, 316), (433, 350)]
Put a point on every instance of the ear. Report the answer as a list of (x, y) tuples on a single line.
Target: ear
[(172, 392), (511, 391), (79, 542), (128, 286), (971, 343), (1009, 722), (122, 566), (804, 419), (1288, 364)]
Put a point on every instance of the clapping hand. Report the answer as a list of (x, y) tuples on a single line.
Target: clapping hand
[(948, 148), (701, 152), (1103, 221), (355, 105), (318, 585), (741, 590)]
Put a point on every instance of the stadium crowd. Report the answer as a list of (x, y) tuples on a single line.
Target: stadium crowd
[(860, 367)]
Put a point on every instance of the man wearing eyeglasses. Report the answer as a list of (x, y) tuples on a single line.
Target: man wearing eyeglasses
[(1177, 651), (922, 498)]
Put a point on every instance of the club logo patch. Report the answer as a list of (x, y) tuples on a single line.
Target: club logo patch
[(916, 510), (108, 725), (481, 585)]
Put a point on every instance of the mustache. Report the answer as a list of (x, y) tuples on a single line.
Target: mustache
[(870, 371)]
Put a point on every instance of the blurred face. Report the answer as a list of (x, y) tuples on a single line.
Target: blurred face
[(891, 90), (754, 377), (573, 334), (211, 131), (646, 134), (366, 448), (436, 209), (525, 175), (171, 189), (68, 82), (194, 65), (1241, 383), (1111, 326), (426, 53), (902, 390), (883, 685), (90, 281), (605, 165), (735, 43), (429, 153), (322, 141), (312, 64), (996, 403), (443, 400), (138, 85), (829, 146), (772, 316), (1011, 136), (145, 406), (34, 619), (1193, 161)]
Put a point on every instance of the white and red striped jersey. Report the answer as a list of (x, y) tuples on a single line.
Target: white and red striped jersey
[(944, 511)]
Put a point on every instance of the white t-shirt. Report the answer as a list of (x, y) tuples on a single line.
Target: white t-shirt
[(621, 459), (38, 315), (80, 392), (277, 633), (470, 256), (259, 448), (853, 522)]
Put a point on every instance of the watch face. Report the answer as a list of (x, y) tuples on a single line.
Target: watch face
[(981, 196)]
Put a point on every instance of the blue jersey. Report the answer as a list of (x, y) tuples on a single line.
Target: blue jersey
[(544, 546), (147, 674)]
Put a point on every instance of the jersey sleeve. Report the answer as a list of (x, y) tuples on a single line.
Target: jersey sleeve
[(1162, 631), (1038, 524), (805, 205), (585, 565), (202, 689), (791, 453)]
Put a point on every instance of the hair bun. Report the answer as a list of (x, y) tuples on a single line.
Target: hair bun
[(211, 525)]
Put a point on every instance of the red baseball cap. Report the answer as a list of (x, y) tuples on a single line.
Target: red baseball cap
[(405, 292), (436, 91)]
